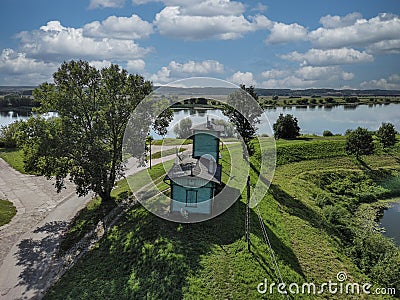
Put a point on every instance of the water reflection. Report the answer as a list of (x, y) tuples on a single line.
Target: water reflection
[(390, 222), (313, 120)]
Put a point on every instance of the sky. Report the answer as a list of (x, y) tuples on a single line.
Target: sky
[(269, 44)]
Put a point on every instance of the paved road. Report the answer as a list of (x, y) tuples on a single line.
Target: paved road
[(33, 234), (29, 241)]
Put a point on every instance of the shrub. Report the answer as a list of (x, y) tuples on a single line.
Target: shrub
[(286, 127), (9, 134), (327, 133), (359, 142), (387, 135), (183, 128)]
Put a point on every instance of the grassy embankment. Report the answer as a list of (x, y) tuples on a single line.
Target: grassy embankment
[(7, 212), (315, 191), (14, 157)]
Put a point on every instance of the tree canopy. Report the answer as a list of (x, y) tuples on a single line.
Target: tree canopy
[(244, 113), (85, 143), (387, 135), (359, 142), (286, 127), (183, 128)]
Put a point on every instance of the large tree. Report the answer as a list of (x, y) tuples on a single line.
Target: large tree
[(359, 142), (183, 128), (286, 127), (387, 135), (244, 113), (93, 110)]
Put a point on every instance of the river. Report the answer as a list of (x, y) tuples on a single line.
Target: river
[(312, 120), (390, 222)]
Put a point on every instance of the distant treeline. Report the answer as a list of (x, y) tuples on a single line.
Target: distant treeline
[(315, 93), (13, 101)]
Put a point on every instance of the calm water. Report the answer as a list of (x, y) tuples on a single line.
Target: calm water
[(7, 117), (311, 120), (391, 222), (314, 120)]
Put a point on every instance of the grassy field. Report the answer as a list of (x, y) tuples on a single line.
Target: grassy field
[(315, 215), (7, 212), (164, 153), (14, 158)]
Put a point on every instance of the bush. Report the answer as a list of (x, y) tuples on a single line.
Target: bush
[(286, 127), (351, 99), (359, 142), (330, 100), (9, 134), (387, 135), (183, 128), (327, 133)]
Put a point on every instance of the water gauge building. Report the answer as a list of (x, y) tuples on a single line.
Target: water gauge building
[(195, 179)]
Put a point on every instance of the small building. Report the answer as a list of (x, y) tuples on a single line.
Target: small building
[(194, 180)]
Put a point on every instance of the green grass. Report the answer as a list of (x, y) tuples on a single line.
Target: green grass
[(171, 142), (7, 212), (164, 153), (145, 257), (14, 157)]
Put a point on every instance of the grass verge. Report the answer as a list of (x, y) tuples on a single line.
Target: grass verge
[(7, 211), (14, 157)]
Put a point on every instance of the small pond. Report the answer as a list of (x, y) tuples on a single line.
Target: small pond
[(391, 222)]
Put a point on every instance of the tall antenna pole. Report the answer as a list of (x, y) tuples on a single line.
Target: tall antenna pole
[(248, 214)]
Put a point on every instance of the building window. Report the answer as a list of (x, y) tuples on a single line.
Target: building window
[(191, 198)]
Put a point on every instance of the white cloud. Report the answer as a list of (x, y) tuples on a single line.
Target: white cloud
[(274, 73), (323, 73), (54, 41), (119, 28), (210, 8), (314, 73), (385, 47), (390, 83), (207, 8), (260, 7), (347, 76), (337, 21), (198, 68), (284, 33), (136, 65), (176, 70), (202, 7), (318, 57), (106, 3), (17, 69), (290, 82), (173, 22), (384, 27), (245, 78), (100, 64), (306, 77)]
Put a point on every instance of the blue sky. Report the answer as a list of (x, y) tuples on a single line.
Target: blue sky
[(270, 44)]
